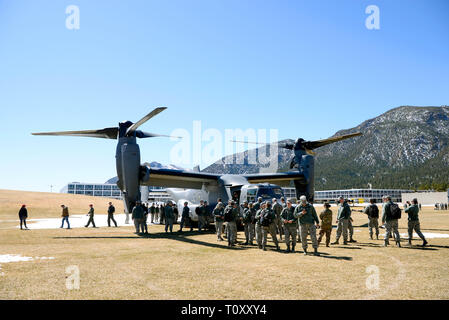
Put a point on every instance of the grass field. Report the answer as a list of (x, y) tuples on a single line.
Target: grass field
[(116, 264)]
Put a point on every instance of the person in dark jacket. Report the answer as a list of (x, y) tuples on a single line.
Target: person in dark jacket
[(372, 211), (162, 214), (145, 217), (169, 217), (176, 213), (111, 210), (23, 215), (185, 217), (138, 215)]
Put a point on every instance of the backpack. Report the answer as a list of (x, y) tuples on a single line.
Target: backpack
[(395, 211), (373, 211), (228, 214), (265, 219)]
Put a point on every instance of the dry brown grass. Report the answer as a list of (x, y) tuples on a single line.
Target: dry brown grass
[(116, 264), (48, 205)]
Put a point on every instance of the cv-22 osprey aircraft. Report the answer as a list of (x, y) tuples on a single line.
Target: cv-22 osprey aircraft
[(190, 186)]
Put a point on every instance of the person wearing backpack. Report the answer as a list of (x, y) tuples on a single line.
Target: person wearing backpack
[(277, 209), (390, 216), (372, 211), (248, 226), (230, 217), (307, 217), (268, 224), (413, 222), (258, 226), (290, 220), (219, 220)]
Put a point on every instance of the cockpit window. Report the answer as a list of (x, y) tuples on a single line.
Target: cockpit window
[(269, 193)]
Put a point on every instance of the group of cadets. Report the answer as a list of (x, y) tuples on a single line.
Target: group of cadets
[(391, 213), (296, 224), (264, 218)]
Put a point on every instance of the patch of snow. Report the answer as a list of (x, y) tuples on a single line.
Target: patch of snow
[(7, 258)]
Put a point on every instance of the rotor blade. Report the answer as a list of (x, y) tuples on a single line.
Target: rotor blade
[(106, 133), (319, 143), (288, 146), (142, 134), (145, 119)]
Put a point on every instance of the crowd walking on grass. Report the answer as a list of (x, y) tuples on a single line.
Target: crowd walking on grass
[(293, 223)]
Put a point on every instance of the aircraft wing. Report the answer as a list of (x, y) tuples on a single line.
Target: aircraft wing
[(282, 179), (171, 178)]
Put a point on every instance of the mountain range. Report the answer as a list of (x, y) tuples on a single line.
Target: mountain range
[(406, 148)]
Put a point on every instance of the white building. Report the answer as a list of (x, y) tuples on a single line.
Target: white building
[(93, 189), (358, 195)]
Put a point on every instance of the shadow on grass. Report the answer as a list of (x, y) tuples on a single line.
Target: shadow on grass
[(178, 236), (346, 247), (328, 256), (406, 246)]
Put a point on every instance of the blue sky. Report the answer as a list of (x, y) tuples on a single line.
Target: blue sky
[(307, 68)]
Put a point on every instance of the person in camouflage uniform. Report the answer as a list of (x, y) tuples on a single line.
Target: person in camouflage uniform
[(271, 228), (248, 222), (231, 226), (413, 222), (137, 216), (91, 216), (326, 224), (219, 219), (372, 211), (391, 224), (258, 226), (343, 215), (290, 220), (201, 212), (277, 209), (351, 228), (185, 217), (307, 217), (283, 203), (258, 204), (298, 202)]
